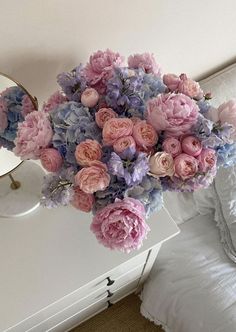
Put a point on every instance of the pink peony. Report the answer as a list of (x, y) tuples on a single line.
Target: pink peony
[(89, 97), (27, 105), (227, 114), (207, 160), (87, 152), (171, 81), (82, 201), (174, 113), (161, 164), (192, 146), (104, 114), (34, 134), (100, 67), (124, 143), (189, 87), (185, 166), (116, 128), (144, 134), (3, 116), (121, 225), (146, 61), (172, 146), (54, 101), (51, 159), (93, 178)]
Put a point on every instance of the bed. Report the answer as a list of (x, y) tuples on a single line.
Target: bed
[(192, 287)]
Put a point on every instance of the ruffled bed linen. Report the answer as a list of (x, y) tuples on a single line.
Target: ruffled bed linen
[(192, 287)]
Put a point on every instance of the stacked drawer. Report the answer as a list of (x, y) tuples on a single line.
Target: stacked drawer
[(88, 300)]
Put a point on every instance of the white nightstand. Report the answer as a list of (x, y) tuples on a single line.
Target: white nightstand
[(54, 274)]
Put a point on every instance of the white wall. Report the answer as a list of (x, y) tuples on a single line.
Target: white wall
[(40, 38)]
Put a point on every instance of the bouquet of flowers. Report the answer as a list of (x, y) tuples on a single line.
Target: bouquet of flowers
[(116, 136)]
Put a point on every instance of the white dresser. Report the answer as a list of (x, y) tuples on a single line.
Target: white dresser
[(54, 274)]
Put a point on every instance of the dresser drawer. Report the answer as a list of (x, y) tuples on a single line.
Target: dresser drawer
[(124, 291)]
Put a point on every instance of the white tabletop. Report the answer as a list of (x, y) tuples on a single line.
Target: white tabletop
[(51, 253)]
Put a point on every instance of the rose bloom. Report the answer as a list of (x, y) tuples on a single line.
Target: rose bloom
[(144, 134), (207, 160), (121, 225), (171, 81), (103, 115), (174, 113), (51, 159), (124, 143), (161, 164), (185, 166), (145, 61), (172, 146), (89, 97), (34, 134), (116, 128), (87, 152), (93, 178), (100, 67), (54, 101), (189, 87), (227, 114), (192, 146), (82, 201)]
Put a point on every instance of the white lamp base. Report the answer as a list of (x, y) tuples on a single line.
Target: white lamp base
[(25, 199)]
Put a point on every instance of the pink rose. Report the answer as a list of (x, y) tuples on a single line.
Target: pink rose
[(207, 160), (51, 159), (192, 146), (172, 146), (116, 128), (121, 225), (54, 101), (100, 68), (82, 201), (34, 134), (93, 178), (89, 97), (227, 114), (124, 143), (3, 115), (174, 113), (161, 164), (145, 61), (87, 152), (103, 115), (171, 81), (144, 134), (185, 166), (189, 87)]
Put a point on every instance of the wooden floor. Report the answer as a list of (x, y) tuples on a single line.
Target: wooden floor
[(123, 316)]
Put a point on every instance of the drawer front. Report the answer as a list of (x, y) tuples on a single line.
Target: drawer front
[(127, 278), (124, 291)]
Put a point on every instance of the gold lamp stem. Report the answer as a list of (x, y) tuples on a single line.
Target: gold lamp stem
[(14, 184)]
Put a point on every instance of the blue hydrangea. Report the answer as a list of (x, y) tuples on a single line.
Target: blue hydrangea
[(203, 105), (226, 155)]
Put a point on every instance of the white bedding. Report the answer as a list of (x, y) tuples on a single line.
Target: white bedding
[(192, 287)]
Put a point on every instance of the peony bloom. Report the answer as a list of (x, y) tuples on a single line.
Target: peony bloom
[(34, 134), (116, 128), (124, 143), (54, 101), (89, 97), (171, 81), (227, 114), (172, 146), (121, 225), (103, 115), (51, 159), (192, 146), (100, 67), (82, 201), (189, 87), (145, 61), (93, 178), (144, 134), (174, 113), (161, 164), (207, 160), (87, 152), (185, 166)]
